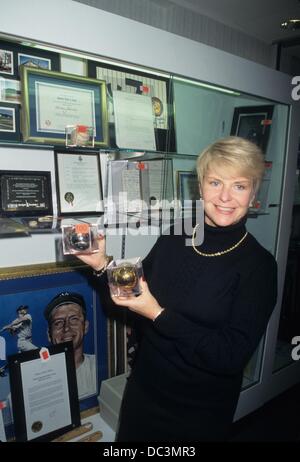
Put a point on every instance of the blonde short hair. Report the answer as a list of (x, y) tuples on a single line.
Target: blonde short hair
[(236, 153)]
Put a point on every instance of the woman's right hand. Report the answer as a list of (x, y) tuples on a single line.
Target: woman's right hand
[(98, 259)]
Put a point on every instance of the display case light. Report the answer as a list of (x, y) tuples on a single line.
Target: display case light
[(291, 24), (206, 85), (105, 61)]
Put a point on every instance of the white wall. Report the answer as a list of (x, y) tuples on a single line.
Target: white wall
[(179, 17)]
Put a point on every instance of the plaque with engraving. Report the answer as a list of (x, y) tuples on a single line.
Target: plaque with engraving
[(25, 193)]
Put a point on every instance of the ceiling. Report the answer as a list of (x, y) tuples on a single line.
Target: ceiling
[(258, 18)]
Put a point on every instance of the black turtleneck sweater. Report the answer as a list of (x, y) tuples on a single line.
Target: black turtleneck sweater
[(188, 373)]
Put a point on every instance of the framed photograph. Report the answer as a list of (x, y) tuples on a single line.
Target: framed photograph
[(78, 182), (10, 91), (8, 59), (25, 193), (9, 122), (44, 392), (133, 82), (6, 62), (33, 61), (253, 123), (13, 55), (53, 100), (43, 290), (187, 186)]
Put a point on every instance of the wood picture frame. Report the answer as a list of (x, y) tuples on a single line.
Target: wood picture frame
[(36, 287)]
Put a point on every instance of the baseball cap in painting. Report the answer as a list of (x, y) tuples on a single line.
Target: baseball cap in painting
[(64, 298)]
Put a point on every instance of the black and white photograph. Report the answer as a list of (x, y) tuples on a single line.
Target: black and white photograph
[(6, 62)]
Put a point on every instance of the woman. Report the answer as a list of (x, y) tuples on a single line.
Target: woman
[(205, 309)]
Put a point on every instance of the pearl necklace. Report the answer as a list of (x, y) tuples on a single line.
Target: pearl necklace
[(216, 254)]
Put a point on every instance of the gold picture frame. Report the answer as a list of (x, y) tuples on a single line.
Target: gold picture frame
[(53, 100)]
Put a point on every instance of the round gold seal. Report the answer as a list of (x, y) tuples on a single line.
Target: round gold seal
[(157, 106)]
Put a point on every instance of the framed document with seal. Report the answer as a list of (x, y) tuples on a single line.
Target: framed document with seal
[(25, 193), (78, 183), (54, 100), (44, 392), (140, 82)]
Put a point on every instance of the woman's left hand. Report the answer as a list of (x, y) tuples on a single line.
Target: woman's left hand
[(144, 304)]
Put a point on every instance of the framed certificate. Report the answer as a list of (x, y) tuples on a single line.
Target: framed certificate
[(53, 100), (78, 182), (44, 392), (253, 123), (25, 193)]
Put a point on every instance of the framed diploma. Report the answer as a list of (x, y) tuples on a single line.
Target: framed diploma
[(253, 123), (53, 100), (78, 182), (44, 392), (25, 193)]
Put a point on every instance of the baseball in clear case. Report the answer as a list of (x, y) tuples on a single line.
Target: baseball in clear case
[(79, 238), (123, 276)]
